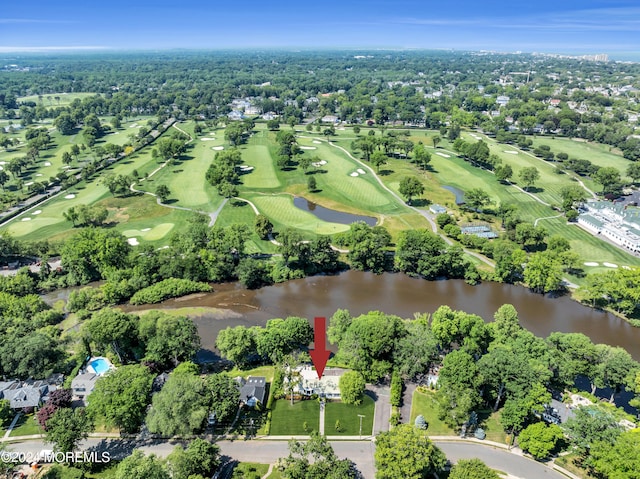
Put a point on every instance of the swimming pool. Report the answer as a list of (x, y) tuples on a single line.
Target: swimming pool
[(100, 366)]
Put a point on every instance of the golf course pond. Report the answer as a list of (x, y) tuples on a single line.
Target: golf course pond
[(396, 293), (332, 216)]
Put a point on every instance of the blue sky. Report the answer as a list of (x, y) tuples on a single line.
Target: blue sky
[(566, 26)]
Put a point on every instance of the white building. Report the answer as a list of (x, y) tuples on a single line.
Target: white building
[(327, 386), (618, 223)]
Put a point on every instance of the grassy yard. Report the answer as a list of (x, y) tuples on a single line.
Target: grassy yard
[(289, 420), (348, 416), (425, 403), (249, 470), (26, 426), (275, 474)]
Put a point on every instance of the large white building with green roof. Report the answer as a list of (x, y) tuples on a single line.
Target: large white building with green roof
[(619, 223)]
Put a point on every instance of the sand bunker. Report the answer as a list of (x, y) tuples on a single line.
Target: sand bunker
[(28, 183), (355, 173), (626, 267), (133, 126), (610, 265), (1, 168), (3, 162), (207, 139), (145, 229), (26, 219), (591, 263), (47, 163), (245, 168), (133, 241), (38, 174), (341, 128), (317, 142), (217, 148), (307, 147), (443, 154), (361, 171), (320, 163), (70, 196), (37, 212), (512, 152)]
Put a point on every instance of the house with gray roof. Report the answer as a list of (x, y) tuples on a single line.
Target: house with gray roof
[(25, 394), (252, 390), (83, 384)]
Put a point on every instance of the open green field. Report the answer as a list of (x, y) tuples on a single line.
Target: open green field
[(185, 178), (130, 215), (240, 212), (287, 420), (347, 414), (596, 153), (249, 470), (50, 100)]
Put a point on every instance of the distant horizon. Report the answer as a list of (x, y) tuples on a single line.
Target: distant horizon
[(570, 27), (621, 56)]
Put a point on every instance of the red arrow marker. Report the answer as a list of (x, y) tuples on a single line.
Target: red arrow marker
[(319, 355)]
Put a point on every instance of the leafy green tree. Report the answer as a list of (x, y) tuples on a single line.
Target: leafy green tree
[(573, 354), (543, 273), (589, 425), (181, 407), (351, 386), (315, 459), (199, 459), (503, 173), (472, 469), (571, 195), (405, 452), (163, 192), (410, 186), (529, 175), (121, 397), (540, 439), (112, 328), (67, 427), (290, 244), (633, 171), (311, 183), (476, 198), (283, 336), (139, 466), (378, 158), (167, 338), (6, 413), (253, 273), (273, 124), (609, 178), (620, 460), (237, 344), (32, 355), (225, 396), (416, 351), (263, 226), (421, 156)]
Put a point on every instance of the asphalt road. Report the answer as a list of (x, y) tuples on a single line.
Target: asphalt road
[(360, 452)]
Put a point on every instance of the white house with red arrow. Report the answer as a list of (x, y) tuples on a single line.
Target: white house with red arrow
[(327, 386)]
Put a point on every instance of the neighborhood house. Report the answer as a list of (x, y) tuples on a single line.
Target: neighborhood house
[(252, 390), (30, 394), (327, 386)]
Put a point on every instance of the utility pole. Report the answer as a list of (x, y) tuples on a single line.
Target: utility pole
[(360, 416)]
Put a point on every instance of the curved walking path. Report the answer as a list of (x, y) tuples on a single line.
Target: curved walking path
[(213, 216), (535, 223), (425, 214)]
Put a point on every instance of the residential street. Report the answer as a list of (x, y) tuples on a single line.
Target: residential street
[(360, 452)]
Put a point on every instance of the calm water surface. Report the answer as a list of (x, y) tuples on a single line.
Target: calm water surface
[(401, 295)]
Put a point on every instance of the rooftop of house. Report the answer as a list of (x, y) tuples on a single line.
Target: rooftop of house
[(252, 387)]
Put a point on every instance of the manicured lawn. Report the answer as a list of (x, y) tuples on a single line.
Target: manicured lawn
[(249, 470), (26, 426), (596, 153), (240, 212), (50, 100), (275, 474), (289, 420), (347, 414), (266, 371), (425, 403)]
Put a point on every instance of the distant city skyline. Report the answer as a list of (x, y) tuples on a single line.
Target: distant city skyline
[(569, 27)]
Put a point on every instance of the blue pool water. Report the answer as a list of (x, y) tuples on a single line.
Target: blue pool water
[(99, 365)]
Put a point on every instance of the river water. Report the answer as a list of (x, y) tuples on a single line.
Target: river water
[(401, 295)]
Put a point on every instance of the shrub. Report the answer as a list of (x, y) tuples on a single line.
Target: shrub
[(396, 389), (168, 288)]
